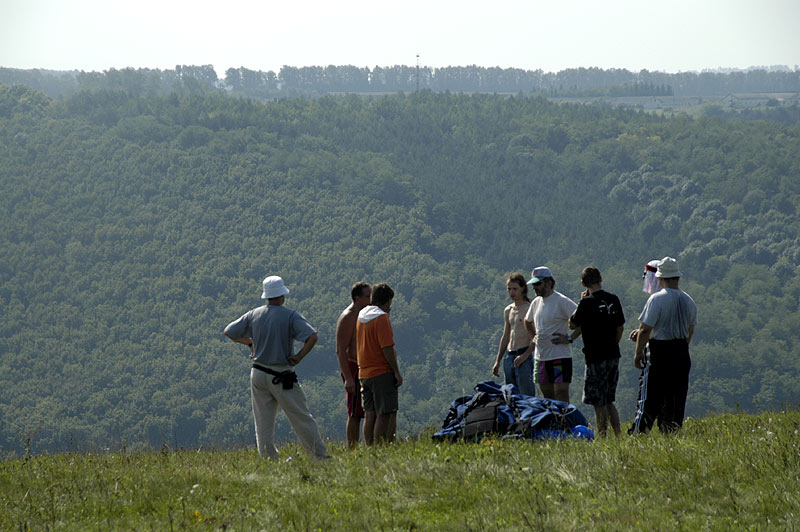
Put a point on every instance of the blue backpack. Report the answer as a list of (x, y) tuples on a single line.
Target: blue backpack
[(501, 411)]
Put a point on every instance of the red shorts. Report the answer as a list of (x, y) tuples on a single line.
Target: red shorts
[(354, 407)]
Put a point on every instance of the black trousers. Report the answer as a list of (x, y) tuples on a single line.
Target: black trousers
[(663, 387)]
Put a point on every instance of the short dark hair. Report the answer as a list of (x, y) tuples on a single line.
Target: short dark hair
[(591, 275), (382, 293), (357, 289), (520, 280)]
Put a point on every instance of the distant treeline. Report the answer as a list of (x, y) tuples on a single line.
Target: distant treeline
[(318, 80)]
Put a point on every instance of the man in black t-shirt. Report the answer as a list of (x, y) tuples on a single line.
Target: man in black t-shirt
[(599, 319)]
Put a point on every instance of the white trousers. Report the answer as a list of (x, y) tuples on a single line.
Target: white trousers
[(266, 398)]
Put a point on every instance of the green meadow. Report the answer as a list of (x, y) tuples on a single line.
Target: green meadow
[(723, 472)]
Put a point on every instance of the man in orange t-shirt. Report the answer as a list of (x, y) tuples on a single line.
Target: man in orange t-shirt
[(378, 370)]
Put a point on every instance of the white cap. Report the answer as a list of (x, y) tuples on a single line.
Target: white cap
[(274, 287)]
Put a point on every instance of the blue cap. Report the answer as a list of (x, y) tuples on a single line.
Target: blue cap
[(540, 273)]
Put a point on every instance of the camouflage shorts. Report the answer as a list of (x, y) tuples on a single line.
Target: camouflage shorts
[(600, 386)]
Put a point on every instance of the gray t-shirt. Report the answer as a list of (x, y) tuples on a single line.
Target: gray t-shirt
[(272, 328), (670, 312)]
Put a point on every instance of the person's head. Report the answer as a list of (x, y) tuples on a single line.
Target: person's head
[(382, 295), (517, 287), (650, 283), (361, 293), (668, 272), (542, 281), (590, 276), (274, 290)]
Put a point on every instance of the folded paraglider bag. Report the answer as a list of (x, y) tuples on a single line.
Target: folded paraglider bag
[(480, 420), (499, 410)]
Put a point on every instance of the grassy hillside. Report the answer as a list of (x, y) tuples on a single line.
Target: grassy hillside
[(725, 472)]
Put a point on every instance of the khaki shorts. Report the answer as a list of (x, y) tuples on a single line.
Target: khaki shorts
[(379, 394)]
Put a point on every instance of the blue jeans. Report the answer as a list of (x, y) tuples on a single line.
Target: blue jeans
[(521, 377)]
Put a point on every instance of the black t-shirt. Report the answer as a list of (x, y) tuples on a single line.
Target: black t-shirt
[(599, 315)]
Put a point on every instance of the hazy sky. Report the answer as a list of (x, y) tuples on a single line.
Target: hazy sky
[(262, 35)]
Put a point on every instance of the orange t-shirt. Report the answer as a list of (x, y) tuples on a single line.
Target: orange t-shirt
[(371, 338)]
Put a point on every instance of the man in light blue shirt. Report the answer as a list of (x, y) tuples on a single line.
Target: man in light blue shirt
[(667, 323), (270, 331)]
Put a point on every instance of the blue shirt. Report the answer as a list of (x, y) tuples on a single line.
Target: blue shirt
[(670, 312), (273, 328)]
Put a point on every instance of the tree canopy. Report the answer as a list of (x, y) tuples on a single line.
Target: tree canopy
[(136, 225)]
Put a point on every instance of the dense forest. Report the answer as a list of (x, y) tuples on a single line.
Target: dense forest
[(135, 226), (318, 80)]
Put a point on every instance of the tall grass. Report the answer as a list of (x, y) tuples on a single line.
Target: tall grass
[(725, 472)]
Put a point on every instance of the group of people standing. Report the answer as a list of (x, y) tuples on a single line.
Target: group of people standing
[(534, 351), (367, 358)]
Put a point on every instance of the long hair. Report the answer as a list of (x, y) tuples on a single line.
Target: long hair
[(520, 280)]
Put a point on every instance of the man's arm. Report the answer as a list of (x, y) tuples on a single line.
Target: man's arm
[(345, 328), (391, 358), (531, 331), (501, 349), (641, 340), (559, 338), (691, 333), (620, 330), (530, 328), (576, 318), (307, 346), (244, 341)]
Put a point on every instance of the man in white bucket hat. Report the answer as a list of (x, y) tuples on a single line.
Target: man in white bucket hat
[(667, 327), (270, 332)]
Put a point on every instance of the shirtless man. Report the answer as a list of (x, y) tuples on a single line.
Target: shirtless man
[(348, 364), (516, 345)]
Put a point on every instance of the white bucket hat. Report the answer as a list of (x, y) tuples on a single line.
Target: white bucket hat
[(668, 268), (274, 287)]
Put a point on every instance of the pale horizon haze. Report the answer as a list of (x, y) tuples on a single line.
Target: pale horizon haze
[(96, 35)]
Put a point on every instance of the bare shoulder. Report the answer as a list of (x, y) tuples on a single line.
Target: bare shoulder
[(348, 316)]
